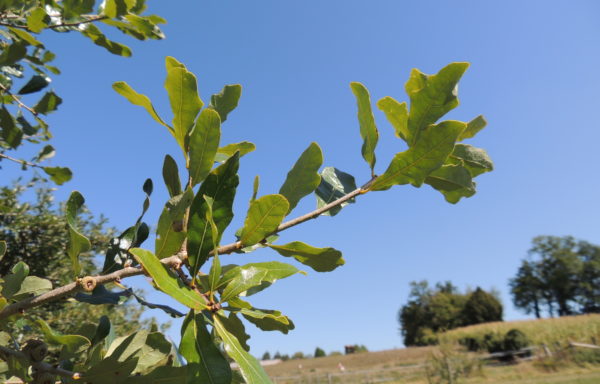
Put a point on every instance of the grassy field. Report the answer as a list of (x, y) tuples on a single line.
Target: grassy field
[(406, 366), (583, 329)]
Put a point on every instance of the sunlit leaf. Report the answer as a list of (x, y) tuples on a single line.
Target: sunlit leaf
[(368, 130), (197, 346), (78, 243), (94, 34), (319, 259), (304, 176), (229, 150), (220, 185), (72, 343), (334, 185), (59, 175), (474, 126), (203, 144), (226, 101), (263, 217), (397, 115), (428, 154), (250, 368), (166, 281), (139, 99)]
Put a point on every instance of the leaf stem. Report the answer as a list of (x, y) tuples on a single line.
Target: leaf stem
[(17, 99), (22, 162)]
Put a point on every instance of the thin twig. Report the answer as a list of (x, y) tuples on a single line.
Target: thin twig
[(38, 366), (18, 100), (90, 19), (174, 261), (22, 162)]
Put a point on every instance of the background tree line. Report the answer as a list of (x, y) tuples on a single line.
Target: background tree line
[(443, 307), (560, 276)]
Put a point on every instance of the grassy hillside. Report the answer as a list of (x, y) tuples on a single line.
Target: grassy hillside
[(582, 328)]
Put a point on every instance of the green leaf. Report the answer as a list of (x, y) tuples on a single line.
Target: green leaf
[(428, 154), (474, 126), (48, 103), (185, 102), (319, 259), (75, 8), (229, 150), (247, 278), (263, 217), (123, 89), (72, 344), (226, 101), (254, 277), (203, 144), (166, 281), (115, 8), (234, 325), (45, 153), (220, 185), (198, 348), (250, 368), (432, 96), (26, 36), (304, 176), (215, 269), (255, 185), (368, 130), (170, 173), (13, 53), (59, 175), (165, 308), (101, 295), (2, 248), (476, 160), (163, 375), (35, 84), (78, 243), (397, 115), (13, 281), (169, 233), (37, 20), (453, 181), (147, 348), (110, 371), (268, 320), (334, 185), (94, 34), (32, 285), (11, 134)]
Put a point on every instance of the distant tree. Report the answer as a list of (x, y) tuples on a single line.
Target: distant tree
[(277, 355), (432, 310), (481, 307), (319, 352), (298, 355), (266, 356), (285, 357), (36, 233), (561, 274), (527, 289)]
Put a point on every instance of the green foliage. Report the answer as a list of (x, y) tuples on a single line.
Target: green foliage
[(447, 366), (199, 211), (22, 53), (561, 274), (430, 311), (319, 352)]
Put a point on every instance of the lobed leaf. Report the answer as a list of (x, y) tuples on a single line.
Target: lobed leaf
[(473, 126), (93, 33), (397, 115), (304, 176), (453, 181), (428, 154), (431, 97), (226, 101)]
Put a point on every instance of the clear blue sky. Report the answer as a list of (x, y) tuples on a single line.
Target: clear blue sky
[(534, 75)]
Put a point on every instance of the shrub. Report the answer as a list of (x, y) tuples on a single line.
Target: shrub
[(515, 340), (319, 352)]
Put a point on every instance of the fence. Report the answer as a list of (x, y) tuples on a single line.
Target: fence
[(374, 376)]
